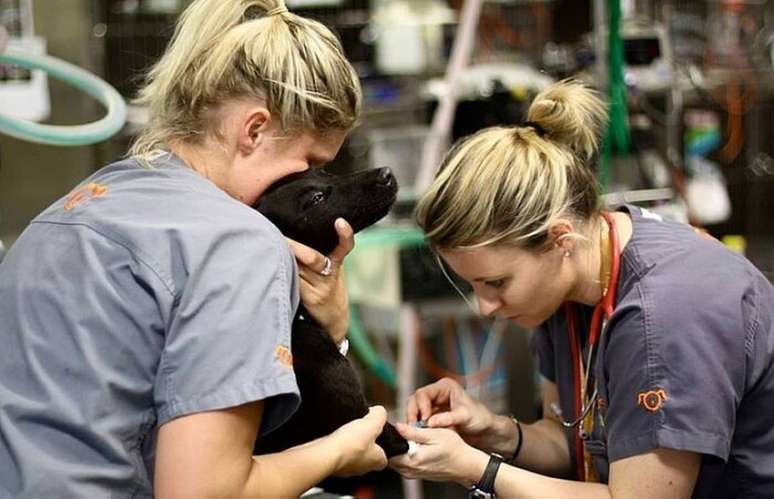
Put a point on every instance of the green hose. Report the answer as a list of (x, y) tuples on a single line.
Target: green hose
[(617, 135), (360, 342), (65, 135), (402, 237)]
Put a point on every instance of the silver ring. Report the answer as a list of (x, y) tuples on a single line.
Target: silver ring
[(328, 268)]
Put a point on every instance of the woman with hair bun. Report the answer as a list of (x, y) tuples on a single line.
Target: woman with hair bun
[(655, 344), (147, 313)]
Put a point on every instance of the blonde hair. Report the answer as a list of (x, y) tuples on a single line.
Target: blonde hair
[(508, 184), (228, 49)]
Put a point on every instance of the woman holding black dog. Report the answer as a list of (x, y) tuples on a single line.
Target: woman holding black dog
[(655, 344), (146, 315)]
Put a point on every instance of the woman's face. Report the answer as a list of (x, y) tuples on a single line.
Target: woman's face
[(277, 156), (525, 287)]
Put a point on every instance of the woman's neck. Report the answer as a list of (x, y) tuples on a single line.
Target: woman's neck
[(208, 161), (592, 277)]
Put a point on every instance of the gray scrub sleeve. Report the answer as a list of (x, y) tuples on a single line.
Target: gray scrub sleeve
[(229, 337), (674, 372)]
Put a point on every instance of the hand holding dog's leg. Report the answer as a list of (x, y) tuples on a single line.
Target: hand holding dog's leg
[(325, 296), (356, 441)]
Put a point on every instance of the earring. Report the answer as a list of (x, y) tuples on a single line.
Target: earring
[(567, 254)]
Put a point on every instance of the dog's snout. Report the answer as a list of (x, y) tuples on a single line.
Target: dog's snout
[(385, 176)]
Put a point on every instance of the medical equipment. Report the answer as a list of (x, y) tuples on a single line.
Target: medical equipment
[(581, 373), (81, 79), (409, 35), (647, 55), (20, 52)]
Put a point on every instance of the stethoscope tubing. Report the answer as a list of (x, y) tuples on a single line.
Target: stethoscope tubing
[(605, 308)]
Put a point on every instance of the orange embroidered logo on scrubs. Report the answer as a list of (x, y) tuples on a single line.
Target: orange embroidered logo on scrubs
[(284, 356), (84, 194), (652, 400)]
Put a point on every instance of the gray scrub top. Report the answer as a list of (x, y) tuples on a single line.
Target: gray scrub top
[(686, 361), (144, 295)]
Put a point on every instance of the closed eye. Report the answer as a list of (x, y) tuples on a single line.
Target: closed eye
[(496, 284)]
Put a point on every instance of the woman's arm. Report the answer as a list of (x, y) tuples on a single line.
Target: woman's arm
[(443, 456), (659, 473), (209, 454), (544, 446)]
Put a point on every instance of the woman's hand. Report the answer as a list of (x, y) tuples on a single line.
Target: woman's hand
[(357, 446), (446, 404), (325, 296), (441, 456)]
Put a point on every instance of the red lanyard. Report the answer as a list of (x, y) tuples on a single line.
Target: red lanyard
[(602, 311)]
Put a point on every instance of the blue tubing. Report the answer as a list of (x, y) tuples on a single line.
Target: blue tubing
[(83, 80)]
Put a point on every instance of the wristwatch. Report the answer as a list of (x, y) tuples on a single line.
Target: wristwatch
[(485, 489)]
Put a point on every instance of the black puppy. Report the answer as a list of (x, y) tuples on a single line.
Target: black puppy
[(304, 207)]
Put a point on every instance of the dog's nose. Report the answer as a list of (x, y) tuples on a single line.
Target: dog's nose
[(385, 177)]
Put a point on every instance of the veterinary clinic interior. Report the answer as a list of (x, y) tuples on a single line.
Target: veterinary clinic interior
[(552, 278)]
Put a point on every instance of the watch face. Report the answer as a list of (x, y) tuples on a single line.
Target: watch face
[(479, 494)]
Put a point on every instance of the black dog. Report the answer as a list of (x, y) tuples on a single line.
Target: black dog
[(304, 207)]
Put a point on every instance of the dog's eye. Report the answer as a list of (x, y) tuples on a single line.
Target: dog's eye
[(315, 199)]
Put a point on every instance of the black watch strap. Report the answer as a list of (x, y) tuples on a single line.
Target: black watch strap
[(487, 482)]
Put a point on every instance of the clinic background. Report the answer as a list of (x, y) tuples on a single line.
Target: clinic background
[(690, 85)]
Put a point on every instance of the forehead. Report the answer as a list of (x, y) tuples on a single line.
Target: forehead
[(324, 145), (486, 261)]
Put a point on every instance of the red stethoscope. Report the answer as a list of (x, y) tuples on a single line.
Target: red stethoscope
[(581, 374)]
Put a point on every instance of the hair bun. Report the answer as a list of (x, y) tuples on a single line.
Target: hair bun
[(573, 114)]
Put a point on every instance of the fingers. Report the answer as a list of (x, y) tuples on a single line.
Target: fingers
[(412, 410), (419, 407), (307, 256), (346, 240), (420, 404), (377, 418), (312, 259), (378, 414), (381, 460), (447, 419), (418, 435)]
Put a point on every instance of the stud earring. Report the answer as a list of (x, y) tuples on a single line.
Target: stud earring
[(566, 254)]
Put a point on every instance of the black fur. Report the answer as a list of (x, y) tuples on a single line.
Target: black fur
[(304, 207)]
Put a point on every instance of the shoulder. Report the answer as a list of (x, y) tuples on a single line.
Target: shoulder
[(686, 313), (674, 276), (167, 195), (169, 218), (675, 359), (685, 305)]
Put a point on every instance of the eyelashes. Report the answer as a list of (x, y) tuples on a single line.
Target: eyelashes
[(496, 284)]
